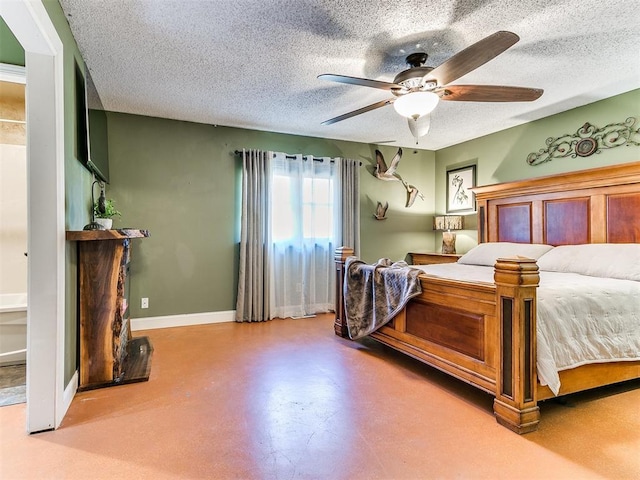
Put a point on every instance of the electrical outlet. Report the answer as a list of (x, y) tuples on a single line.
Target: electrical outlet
[(144, 303)]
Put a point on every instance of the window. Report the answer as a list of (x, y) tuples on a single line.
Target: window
[(302, 208), (293, 216), (303, 231)]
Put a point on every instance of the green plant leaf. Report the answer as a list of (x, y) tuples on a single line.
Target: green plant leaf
[(110, 210)]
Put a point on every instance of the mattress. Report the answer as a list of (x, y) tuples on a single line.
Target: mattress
[(581, 319)]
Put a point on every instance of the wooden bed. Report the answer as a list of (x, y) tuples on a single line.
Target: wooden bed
[(484, 334)]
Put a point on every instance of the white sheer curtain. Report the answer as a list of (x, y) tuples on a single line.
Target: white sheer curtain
[(295, 211), (305, 225)]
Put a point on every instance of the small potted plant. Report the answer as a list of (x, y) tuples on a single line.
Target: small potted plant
[(105, 218)]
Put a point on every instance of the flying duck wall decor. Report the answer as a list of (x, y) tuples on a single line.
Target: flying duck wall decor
[(388, 174), (381, 211)]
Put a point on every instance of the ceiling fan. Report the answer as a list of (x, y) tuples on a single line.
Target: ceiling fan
[(417, 90)]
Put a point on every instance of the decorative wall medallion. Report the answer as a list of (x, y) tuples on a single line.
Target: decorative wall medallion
[(586, 147), (586, 141)]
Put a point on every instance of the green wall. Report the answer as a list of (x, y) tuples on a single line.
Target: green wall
[(76, 178), (11, 51), (77, 183), (181, 181), (501, 157)]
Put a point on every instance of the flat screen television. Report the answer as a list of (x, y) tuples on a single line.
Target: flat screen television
[(92, 147)]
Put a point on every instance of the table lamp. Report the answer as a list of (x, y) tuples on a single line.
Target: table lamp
[(446, 223)]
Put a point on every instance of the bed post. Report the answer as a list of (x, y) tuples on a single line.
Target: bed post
[(340, 325), (515, 405)]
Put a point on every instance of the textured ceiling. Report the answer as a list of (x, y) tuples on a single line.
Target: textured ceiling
[(254, 63)]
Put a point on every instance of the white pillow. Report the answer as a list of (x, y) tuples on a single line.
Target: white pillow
[(488, 253), (610, 260)]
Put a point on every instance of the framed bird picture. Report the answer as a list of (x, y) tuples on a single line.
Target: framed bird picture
[(460, 199)]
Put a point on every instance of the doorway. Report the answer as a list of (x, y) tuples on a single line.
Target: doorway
[(47, 397), (13, 239)]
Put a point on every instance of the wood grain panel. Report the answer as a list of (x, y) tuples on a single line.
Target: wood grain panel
[(514, 223), (98, 300), (566, 222), (105, 356), (455, 329), (421, 258), (482, 230), (623, 218), (114, 234)]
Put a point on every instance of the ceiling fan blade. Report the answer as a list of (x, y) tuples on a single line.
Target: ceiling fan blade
[(489, 93), (472, 57), (364, 82), (368, 108)]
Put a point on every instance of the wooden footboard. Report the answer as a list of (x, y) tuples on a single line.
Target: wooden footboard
[(484, 334), (479, 333)]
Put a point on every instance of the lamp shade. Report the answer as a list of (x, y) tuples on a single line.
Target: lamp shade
[(416, 104), (419, 126), (448, 222)]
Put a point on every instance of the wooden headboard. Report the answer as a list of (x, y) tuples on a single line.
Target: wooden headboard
[(600, 205)]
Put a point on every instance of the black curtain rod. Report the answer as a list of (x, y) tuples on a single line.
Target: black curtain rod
[(293, 157), (288, 157)]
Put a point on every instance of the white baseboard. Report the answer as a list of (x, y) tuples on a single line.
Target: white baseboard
[(182, 320)]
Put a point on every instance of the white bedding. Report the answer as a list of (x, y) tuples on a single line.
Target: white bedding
[(581, 319)]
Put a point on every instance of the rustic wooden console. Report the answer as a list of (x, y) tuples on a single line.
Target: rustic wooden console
[(109, 355)]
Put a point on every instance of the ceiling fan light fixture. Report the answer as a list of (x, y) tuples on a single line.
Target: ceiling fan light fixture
[(419, 126), (416, 104)]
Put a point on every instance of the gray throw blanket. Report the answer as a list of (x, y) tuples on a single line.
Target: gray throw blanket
[(374, 294)]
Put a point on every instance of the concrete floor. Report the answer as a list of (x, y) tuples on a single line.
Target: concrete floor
[(288, 399)]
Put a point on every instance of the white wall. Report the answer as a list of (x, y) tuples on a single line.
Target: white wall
[(13, 185), (13, 218)]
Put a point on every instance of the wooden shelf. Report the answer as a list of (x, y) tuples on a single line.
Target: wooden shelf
[(109, 355), (115, 234)]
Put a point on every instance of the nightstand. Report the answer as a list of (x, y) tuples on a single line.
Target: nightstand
[(431, 258)]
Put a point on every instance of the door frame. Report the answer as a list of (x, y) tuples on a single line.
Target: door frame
[(47, 401)]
